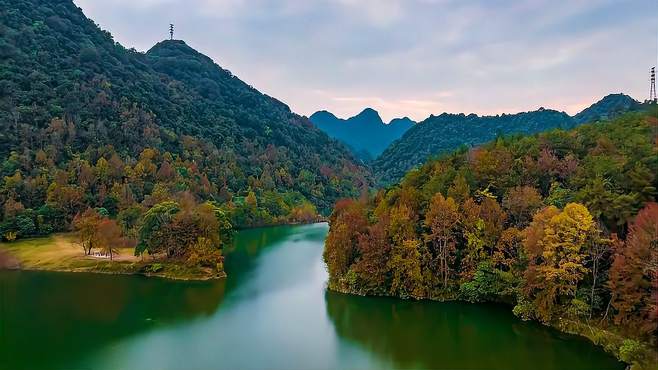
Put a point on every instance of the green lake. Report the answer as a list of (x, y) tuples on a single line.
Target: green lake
[(272, 312)]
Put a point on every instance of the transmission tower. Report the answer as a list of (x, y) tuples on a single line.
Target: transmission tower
[(652, 90), (171, 31)]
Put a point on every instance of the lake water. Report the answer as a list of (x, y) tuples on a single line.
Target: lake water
[(272, 312)]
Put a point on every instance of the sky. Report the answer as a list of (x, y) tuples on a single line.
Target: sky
[(409, 57)]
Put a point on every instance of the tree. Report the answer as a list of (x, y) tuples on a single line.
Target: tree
[(521, 202), (441, 219), (305, 213), (597, 250), (405, 266), (348, 222), (634, 277), (12, 208), (508, 250), (459, 190), (110, 237), (154, 225), (86, 225), (374, 250), (206, 254), (555, 240)]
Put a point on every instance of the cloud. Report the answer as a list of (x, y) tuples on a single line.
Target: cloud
[(409, 57), (376, 12)]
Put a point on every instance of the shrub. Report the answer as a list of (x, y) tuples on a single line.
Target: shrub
[(631, 351)]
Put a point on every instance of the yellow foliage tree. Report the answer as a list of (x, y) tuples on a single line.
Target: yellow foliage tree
[(555, 241)]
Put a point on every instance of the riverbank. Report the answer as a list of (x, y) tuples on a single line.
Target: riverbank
[(638, 355), (60, 252)]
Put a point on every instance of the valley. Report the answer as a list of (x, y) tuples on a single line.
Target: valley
[(159, 212)]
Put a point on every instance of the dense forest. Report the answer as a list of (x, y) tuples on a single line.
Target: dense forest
[(90, 130), (447, 132), (562, 225), (365, 134)]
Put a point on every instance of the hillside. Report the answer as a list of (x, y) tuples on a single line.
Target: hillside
[(447, 132), (561, 226), (609, 107), (444, 133), (162, 150), (366, 134)]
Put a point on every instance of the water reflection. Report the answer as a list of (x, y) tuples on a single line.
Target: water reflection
[(49, 318), (454, 335), (272, 312)]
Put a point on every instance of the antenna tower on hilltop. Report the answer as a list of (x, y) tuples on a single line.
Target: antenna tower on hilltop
[(171, 31), (652, 90)]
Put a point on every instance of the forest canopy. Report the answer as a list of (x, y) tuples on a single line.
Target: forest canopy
[(88, 127), (563, 225)]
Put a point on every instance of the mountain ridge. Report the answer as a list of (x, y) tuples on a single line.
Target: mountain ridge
[(69, 90), (446, 132), (365, 133)]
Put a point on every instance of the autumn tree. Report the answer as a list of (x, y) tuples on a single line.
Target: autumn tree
[(405, 266), (441, 220), (176, 229), (374, 250), (597, 252), (634, 277), (348, 222), (521, 203), (405, 263), (459, 190), (555, 240), (109, 237), (86, 225)]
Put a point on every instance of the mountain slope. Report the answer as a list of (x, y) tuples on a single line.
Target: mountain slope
[(441, 134), (609, 107), (365, 133), (71, 97), (447, 132), (500, 223)]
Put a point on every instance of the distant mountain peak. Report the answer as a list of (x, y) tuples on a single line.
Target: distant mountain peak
[(608, 107), (402, 121), (178, 45), (322, 114), (369, 114), (364, 133)]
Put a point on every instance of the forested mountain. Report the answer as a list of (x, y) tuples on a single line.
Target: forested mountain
[(366, 134), (447, 132), (562, 225), (90, 128), (609, 107)]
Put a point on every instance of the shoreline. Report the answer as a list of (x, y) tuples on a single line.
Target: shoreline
[(34, 254), (60, 253), (607, 340), (220, 276)]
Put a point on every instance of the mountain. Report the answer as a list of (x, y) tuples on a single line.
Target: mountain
[(447, 132), (500, 223), (444, 133), (609, 107), (366, 134), (86, 122)]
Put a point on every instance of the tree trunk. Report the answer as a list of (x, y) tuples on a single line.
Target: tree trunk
[(606, 310), (595, 268)]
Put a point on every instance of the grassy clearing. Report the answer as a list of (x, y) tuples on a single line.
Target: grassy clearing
[(61, 252)]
